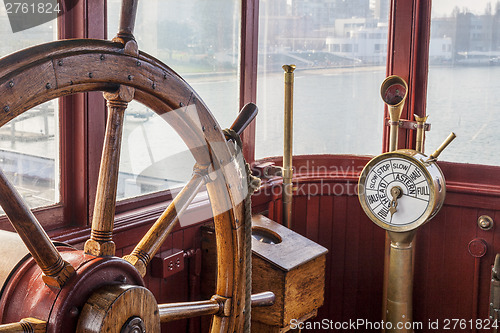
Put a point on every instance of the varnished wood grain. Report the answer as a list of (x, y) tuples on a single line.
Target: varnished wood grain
[(112, 306), (101, 241), (127, 19), (56, 270), (27, 325)]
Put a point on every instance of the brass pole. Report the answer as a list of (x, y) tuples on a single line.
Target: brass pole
[(399, 302), (419, 145), (398, 273), (288, 147)]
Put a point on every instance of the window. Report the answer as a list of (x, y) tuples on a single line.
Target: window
[(29, 144), (337, 80), (200, 41), (462, 93)]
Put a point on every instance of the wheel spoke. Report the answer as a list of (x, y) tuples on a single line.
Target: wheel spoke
[(217, 305), (127, 19), (56, 271), (101, 237), (151, 242), (31, 325)]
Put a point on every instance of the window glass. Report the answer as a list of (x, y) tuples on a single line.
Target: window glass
[(199, 39), (462, 93), (153, 157), (340, 50), (29, 144)]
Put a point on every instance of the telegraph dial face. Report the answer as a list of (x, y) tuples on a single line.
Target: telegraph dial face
[(399, 192)]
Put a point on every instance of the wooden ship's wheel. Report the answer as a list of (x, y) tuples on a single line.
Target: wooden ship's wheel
[(57, 288)]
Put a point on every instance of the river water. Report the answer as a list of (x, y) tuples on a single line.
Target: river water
[(336, 111)]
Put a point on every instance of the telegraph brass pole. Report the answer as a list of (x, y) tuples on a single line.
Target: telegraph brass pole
[(398, 283), (288, 146), (419, 145)]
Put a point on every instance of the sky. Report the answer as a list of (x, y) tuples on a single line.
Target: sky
[(445, 7)]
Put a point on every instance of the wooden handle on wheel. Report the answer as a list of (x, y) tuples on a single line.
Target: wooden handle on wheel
[(245, 117), (56, 271)]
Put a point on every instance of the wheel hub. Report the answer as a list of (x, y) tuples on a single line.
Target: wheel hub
[(120, 309)]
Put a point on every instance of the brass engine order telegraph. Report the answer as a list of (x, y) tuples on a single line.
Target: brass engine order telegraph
[(399, 191)]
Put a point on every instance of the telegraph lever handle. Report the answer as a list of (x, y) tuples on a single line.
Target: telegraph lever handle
[(445, 144), (245, 117)]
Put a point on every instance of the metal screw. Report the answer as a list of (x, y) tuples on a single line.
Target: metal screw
[(48, 86), (74, 311), (181, 104), (102, 57), (91, 75), (203, 128), (60, 62), (164, 76), (215, 127), (121, 278), (154, 86), (6, 108), (129, 77), (11, 84), (485, 222), (138, 63)]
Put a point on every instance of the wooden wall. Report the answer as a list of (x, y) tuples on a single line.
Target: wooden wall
[(449, 282)]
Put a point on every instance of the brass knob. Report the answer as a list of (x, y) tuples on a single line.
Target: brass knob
[(485, 222)]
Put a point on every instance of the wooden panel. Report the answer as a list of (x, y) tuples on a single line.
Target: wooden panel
[(303, 291), (444, 269)]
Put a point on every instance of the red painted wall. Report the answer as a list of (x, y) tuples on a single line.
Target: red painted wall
[(449, 283)]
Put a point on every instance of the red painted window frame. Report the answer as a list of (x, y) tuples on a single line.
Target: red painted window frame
[(83, 116)]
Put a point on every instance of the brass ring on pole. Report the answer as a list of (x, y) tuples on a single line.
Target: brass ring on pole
[(419, 142)]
